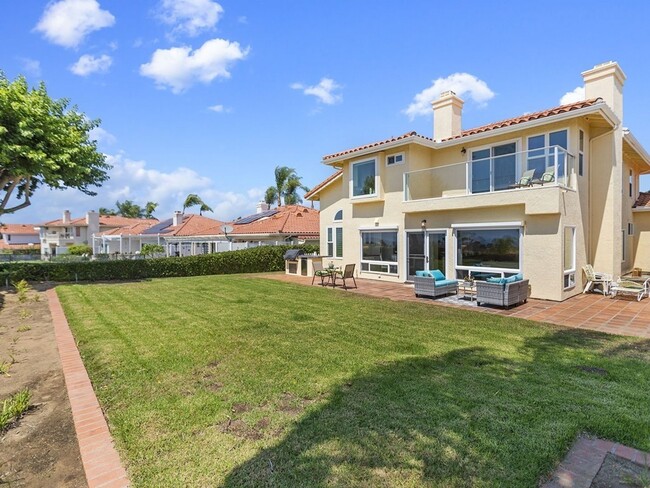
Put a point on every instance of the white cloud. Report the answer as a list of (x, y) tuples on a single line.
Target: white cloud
[(68, 22), (324, 91), (573, 96), (31, 66), (190, 17), (242, 19), (466, 86), (180, 67), (88, 64), (102, 136), (217, 108)]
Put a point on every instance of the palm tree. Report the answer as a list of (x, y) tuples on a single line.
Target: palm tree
[(106, 211), (192, 200), (205, 208), (287, 184), (149, 209), (129, 209)]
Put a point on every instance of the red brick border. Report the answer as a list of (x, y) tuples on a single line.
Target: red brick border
[(98, 455)]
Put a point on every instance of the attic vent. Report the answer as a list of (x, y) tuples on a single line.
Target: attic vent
[(298, 214)]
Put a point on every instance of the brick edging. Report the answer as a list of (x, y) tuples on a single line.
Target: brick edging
[(100, 460)]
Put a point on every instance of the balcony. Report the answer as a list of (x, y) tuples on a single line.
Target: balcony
[(526, 170), (58, 238)]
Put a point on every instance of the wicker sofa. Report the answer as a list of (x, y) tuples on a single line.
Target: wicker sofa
[(502, 294), (433, 284)]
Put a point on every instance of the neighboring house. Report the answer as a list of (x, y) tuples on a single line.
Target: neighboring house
[(191, 234), (542, 194), (18, 237), (57, 235)]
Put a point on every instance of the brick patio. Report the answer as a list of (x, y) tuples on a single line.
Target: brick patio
[(621, 315)]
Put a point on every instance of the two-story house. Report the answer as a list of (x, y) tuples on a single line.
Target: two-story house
[(542, 194), (57, 235), (18, 237)]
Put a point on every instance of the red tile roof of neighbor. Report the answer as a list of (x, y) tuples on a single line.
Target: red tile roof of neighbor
[(128, 230), (323, 183), (104, 221), (643, 201), (5, 246), (197, 225), (18, 229), (290, 220), (477, 130)]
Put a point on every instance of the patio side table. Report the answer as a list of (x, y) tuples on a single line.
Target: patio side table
[(467, 289)]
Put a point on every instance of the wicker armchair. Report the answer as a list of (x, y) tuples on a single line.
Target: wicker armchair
[(430, 286), (503, 295)]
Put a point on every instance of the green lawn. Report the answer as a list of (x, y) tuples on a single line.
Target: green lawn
[(236, 381)]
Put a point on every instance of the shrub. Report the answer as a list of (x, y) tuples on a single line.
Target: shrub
[(152, 249), (80, 249), (255, 260)]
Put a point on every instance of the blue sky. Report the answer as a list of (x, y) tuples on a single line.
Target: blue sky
[(206, 97)]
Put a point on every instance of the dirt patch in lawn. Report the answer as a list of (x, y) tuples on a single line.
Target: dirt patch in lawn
[(617, 472), (40, 449)]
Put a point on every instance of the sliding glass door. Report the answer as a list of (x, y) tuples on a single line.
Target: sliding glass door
[(425, 251)]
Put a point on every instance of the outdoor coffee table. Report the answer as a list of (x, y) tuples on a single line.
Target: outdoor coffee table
[(467, 289)]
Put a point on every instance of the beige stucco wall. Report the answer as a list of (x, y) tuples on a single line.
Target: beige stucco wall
[(641, 241)]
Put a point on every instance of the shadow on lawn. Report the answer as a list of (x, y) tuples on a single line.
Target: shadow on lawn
[(466, 418)]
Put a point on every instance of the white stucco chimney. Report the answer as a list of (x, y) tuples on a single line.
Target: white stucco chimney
[(178, 218), (606, 81), (447, 116), (92, 219), (66, 216), (262, 207)]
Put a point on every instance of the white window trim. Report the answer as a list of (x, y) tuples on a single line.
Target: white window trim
[(333, 241), (383, 263), (395, 155), (581, 152), (630, 228), (518, 144), (489, 226), (572, 270), (335, 213), (369, 195)]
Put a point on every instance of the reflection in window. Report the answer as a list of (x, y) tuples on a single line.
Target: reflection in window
[(494, 168), (363, 178), (488, 248), (379, 247)]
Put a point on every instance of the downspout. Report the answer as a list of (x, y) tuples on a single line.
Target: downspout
[(591, 141)]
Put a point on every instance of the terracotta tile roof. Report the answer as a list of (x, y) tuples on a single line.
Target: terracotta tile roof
[(104, 221), (374, 144), (197, 225), (128, 230), (323, 183), (643, 201), (528, 117), (477, 130), (5, 246), (294, 220), (18, 229)]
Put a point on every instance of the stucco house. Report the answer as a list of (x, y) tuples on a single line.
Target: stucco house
[(542, 194), (18, 237), (56, 235)]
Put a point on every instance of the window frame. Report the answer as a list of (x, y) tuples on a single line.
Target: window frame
[(389, 265), (489, 226), (624, 245), (518, 144), (334, 241), (546, 148), (363, 195), (581, 152), (394, 155), (569, 273), (340, 211)]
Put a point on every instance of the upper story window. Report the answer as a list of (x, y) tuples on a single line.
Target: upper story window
[(364, 175), (541, 154), (394, 159), (581, 153), (494, 168), (338, 216)]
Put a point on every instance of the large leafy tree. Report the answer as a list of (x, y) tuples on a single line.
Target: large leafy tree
[(43, 142), (287, 184)]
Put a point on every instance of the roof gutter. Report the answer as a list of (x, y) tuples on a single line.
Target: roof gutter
[(636, 145), (602, 107)]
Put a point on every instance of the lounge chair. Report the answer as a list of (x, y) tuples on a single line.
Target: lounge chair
[(504, 292), (594, 278), (348, 273), (547, 177), (433, 284), (627, 287), (525, 180)]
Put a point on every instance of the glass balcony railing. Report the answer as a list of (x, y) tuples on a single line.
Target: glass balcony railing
[(545, 166)]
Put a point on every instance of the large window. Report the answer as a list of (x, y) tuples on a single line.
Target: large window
[(335, 242), (541, 153), (379, 251), (494, 168), (569, 257), (488, 251), (363, 178)]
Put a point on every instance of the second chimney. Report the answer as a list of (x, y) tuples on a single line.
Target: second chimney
[(178, 218), (262, 207), (66, 216), (447, 116)]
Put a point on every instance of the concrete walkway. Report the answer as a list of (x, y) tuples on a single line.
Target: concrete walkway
[(621, 315), (98, 455)]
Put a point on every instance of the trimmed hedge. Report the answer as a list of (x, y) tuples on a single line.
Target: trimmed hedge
[(254, 260)]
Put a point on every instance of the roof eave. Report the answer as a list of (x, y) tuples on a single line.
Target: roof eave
[(378, 148), (636, 145), (310, 196)]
